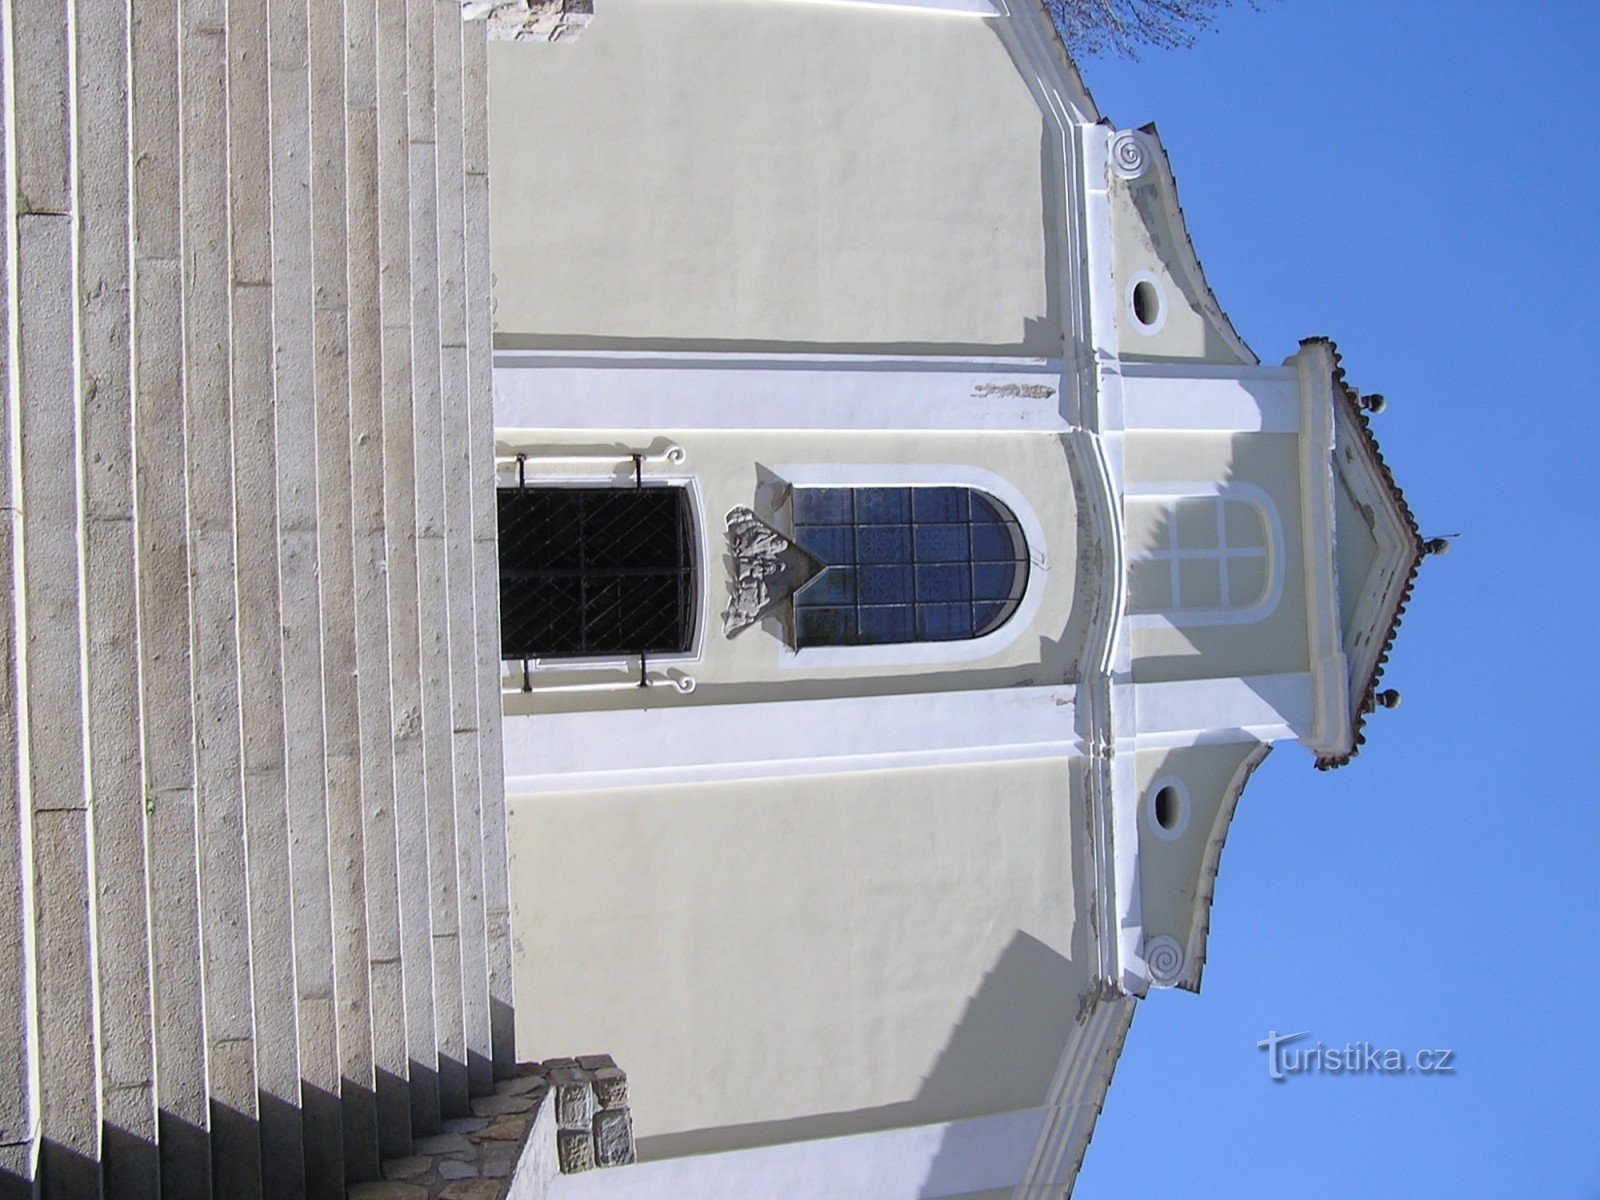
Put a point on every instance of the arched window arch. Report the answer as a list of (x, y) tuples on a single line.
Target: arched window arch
[(906, 564), (1203, 554)]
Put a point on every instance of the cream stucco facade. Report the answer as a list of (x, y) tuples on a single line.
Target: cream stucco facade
[(896, 901)]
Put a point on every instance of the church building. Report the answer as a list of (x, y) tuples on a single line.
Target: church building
[(904, 565)]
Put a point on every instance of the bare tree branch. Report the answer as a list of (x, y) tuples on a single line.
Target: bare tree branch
[(1092, 28)]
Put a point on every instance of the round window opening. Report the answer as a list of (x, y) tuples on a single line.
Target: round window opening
[(1169, 808), (1146, 303), (1166, 808)]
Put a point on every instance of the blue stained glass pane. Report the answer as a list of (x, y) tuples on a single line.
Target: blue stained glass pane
[(825, 626), (986, 510), (836, 585), (827, 543), (822, 506), (886, 623), (993, 543), (941, 543), (994, 581), (988, 615), (943, 583), (940, 504), (885, 585), (883, 506), (943, 622), (883, 544)]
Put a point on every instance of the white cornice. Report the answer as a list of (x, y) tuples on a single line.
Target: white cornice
[(1331, 728)]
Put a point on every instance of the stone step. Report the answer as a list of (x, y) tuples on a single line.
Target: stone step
[(305, 763), (256, 532), (400, 522), (45, 376), (164, 606), (18, 1041), (208, 428), (432, 581), (122, 930), (458, 513), (485, 554), (336, 586), (261, 699), (375, 715)]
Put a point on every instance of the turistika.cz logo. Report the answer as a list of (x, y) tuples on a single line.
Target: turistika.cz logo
[(1353, 1058)]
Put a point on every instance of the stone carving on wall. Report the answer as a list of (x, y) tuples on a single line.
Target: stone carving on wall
[(767, 569), (531, 20), (1164, 956), (1130, 157), (1021, 391)]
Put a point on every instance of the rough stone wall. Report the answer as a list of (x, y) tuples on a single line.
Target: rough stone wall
[(252, 935)]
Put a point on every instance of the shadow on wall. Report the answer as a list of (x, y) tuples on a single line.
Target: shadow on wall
[(1001, 1057)]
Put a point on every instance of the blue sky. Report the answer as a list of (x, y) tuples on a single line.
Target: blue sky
[(1421, 182)]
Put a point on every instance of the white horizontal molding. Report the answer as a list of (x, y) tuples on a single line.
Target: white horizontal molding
[(582, 751), (923, 1162), (545, 392), (1239, 400), (1265, 708), (977, 8)]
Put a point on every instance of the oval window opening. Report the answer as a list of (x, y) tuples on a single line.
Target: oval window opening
[(1146, 302), (1169, 808)]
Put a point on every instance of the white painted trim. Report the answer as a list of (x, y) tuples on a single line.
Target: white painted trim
[(972, 8), (1241, 402), (922, 1162), (927, 475), (1216, 836), (1076, 1096), (658, 392), (1333, 729), (1110, 777), (1267, 708), (581, 751), (1247, 493)]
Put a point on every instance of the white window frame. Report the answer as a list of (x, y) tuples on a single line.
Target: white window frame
[(947, 475), (1245, 493)]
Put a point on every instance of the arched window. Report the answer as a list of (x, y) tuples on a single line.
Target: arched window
[(1203, 558), (906, 564)]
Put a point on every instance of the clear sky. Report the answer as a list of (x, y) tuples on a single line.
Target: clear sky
[(1420, 182)]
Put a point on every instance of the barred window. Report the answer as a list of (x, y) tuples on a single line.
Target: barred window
[(589, 571), (906, 564)]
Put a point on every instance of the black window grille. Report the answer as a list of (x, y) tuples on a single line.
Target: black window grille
[(595, 571), (907, 564)]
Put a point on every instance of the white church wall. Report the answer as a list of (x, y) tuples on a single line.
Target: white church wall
[(806, 957), (774, 176)]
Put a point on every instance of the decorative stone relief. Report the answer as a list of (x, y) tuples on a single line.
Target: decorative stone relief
[(1021, 391), (1130, 156), (1164, 956), (531, 20), (767, 569)]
